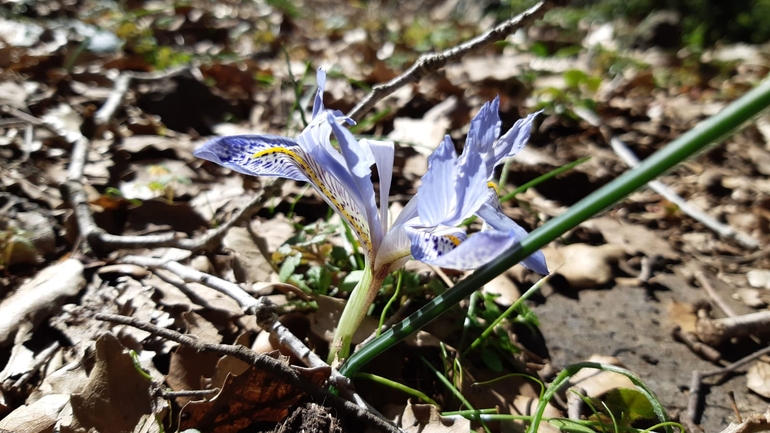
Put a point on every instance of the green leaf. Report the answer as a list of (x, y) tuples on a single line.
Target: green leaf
[(288, 267), (631, 404), (574, 77), (349, 282), (491, 359)]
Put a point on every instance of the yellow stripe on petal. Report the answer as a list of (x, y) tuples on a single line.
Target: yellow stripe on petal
[(329, 187), (493, 185)]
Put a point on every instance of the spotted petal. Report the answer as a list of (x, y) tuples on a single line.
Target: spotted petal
[(430, 246), (479, 249)]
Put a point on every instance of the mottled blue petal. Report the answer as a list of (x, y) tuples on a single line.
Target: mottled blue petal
[(437, 189), (479, 249), (430, 245), (498, 221), (275, 155)]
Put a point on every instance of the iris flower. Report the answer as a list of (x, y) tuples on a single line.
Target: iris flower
[(453, 189)]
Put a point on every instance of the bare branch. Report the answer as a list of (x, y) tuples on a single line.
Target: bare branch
[(430, 63), (264, 362)]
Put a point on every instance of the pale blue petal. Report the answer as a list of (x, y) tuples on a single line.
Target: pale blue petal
[(470, 189), (515, 139), (498, 221), (256, 155), (318, 102), (429, 246), (359, 160), (395, 249), (484, 129), (409, 211), (437, 188), (383, 152)]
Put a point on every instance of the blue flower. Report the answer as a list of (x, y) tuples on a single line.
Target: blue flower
[(454, 188)]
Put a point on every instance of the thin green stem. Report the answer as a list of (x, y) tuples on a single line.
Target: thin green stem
[(352, 314), (392, 299), (680, 149), (491, 328), (395, 385)]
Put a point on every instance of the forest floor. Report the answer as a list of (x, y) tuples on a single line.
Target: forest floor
[(105, 210)]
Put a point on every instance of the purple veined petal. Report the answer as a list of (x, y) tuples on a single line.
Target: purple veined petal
[(437, 189), (470, 189), (318, 102), (431, 245), (383, 152), (359, 160), (512, 141), (484, 129), (498, 221), (479, 249), (278, 156), (395, 249)]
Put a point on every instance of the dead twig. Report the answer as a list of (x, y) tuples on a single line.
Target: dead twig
[(696, 346), (696, 383), (267, 319), (709, 288), (264, 362), (627, 155), (430, 63), (715, 331)]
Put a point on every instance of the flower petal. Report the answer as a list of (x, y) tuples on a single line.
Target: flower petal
[(395, 249), (478, 250), (318, 102), (278, 156), (485, 128), (470, 189), (492, 215), (514, 140), (383, 152), (359, 160), (436, 191), (429, 246)]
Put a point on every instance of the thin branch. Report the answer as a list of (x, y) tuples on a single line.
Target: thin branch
[(263, 362), (267, 319), (696, 382), (627, 155), (709, 288), (430, 63)]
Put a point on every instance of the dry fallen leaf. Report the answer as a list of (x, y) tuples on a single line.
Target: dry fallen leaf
[(116, 396), (758, 379), (425, 418), (585, 266), (256, 395), (37, 417)]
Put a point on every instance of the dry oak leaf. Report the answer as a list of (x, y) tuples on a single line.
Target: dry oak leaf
[(424, 418), (116, 397), (257, 395)]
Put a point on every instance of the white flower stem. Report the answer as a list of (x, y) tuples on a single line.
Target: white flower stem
[(360, 299)]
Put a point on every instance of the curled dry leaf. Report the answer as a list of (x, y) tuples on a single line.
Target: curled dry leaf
[(585, 266), (425, 418), (254, 396), (758, 379), (117, 395)]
